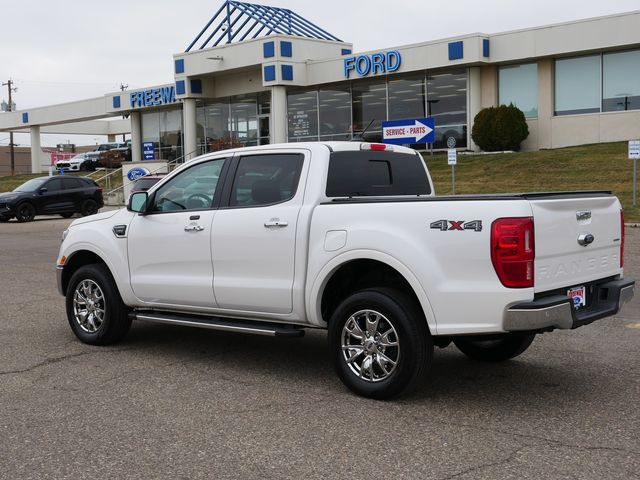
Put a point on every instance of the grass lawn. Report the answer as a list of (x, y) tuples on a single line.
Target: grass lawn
[(603, 166)]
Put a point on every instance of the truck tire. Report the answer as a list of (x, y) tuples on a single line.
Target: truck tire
[(66, 215), (96, 313), (88, 207), (379, 343), (506, 347), (25, 212)]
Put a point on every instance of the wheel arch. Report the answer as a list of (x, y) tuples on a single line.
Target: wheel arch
[(79, 259), (357, 270)]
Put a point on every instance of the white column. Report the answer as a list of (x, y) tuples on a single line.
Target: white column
[(36, 149), (474, 103), (136, 137), (278, 114), (190, 128)]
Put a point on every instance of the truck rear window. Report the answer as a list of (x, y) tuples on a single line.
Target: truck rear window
[(371, 173)]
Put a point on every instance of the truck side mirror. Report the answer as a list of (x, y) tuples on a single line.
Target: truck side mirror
[(138, 202), (42, 190)]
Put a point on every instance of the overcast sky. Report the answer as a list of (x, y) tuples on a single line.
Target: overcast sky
[(62, 50)]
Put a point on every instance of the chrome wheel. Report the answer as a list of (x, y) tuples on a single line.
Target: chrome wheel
[(88, 306), (370, 345)]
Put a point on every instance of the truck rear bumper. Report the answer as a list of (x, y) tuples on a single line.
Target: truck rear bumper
[(556, 311)]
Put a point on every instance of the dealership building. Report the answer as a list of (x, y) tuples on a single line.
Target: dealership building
[(257, 75)]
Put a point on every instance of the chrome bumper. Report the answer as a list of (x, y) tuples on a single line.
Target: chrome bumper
[(556, 311)]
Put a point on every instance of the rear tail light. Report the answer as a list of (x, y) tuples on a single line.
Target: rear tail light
[(621, 238), (513, 251)]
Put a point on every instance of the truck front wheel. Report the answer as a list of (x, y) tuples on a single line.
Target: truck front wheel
[(494, 349), (380, 343), (95, 309)]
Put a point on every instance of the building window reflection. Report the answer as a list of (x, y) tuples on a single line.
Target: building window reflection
[(447, 104), (341, 111), (163, 128), (233, 122), (302, 115), (335, 112)]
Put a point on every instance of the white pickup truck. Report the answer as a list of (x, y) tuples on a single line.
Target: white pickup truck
[(348, 237)]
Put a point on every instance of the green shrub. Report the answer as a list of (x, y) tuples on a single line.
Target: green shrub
[(499, 128)]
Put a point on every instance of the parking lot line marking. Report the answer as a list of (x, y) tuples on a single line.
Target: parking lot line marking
[(633, 325)]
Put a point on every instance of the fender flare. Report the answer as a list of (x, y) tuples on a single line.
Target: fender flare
[(123, 287), (314, 294)]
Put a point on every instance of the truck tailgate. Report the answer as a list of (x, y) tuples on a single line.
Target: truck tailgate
[(566, 255)]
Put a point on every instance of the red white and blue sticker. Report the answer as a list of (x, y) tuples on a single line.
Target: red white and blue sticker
[(578, 295)]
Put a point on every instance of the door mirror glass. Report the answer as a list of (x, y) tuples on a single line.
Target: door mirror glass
[(42, 190), (137, 202)]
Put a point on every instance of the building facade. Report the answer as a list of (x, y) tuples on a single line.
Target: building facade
[(576, 82)]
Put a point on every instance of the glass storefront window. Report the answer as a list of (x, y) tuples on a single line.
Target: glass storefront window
[(151, 130), (447, 104), (577, 85), (164, 129), (335, 112), (217, 129), (518, 84), (244, 122), (369, 107), (621, 81), (302, 115), (407, 97), (232, 122), (170, 137)]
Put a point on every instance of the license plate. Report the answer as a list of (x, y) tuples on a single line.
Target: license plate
[(578, 296)]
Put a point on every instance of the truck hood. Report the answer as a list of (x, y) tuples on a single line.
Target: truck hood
[(95, 218)]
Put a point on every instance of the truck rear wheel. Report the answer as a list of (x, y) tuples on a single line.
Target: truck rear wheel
[(379, 343), (494, 349), (96, 313)]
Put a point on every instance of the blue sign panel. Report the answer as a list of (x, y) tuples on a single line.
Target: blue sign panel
[(137, 172), (412, 130), (363, 65), (152, 97), (147, 151)]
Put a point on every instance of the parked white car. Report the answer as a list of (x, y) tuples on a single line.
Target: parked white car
[(348, 237), (80, 162)]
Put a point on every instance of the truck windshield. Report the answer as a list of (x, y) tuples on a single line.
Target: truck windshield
[(375, 173)]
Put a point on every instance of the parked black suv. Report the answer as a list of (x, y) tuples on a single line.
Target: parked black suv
[(51, 195)]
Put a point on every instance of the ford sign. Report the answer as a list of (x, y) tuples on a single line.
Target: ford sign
[(137, 172)]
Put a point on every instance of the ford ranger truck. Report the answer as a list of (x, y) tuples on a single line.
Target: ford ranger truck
[(348, 237)]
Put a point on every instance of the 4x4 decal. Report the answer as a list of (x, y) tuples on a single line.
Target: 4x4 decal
[(445, 225)]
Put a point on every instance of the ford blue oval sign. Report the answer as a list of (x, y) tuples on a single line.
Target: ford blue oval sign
[(137, 172)]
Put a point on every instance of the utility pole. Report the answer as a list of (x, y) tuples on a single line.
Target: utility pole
[(123, 87), (11, 88)]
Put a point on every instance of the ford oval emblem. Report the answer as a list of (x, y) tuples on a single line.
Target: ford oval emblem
[(586, 239), (137, 172)]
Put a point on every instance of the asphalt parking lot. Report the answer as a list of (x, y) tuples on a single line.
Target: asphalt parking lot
[(173, 402)]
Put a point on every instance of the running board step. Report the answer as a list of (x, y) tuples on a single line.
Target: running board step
[(217, 323)]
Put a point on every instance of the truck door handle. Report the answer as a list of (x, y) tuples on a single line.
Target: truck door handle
[(193, 228), (275, 222)]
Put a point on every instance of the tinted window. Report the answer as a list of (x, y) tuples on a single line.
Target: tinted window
[(31, 185), (266, 179), (54, 185), (369, 173), (192, 189), (72, 183)]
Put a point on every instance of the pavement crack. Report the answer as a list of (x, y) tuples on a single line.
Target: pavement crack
[(510, 457), (48, 361)]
